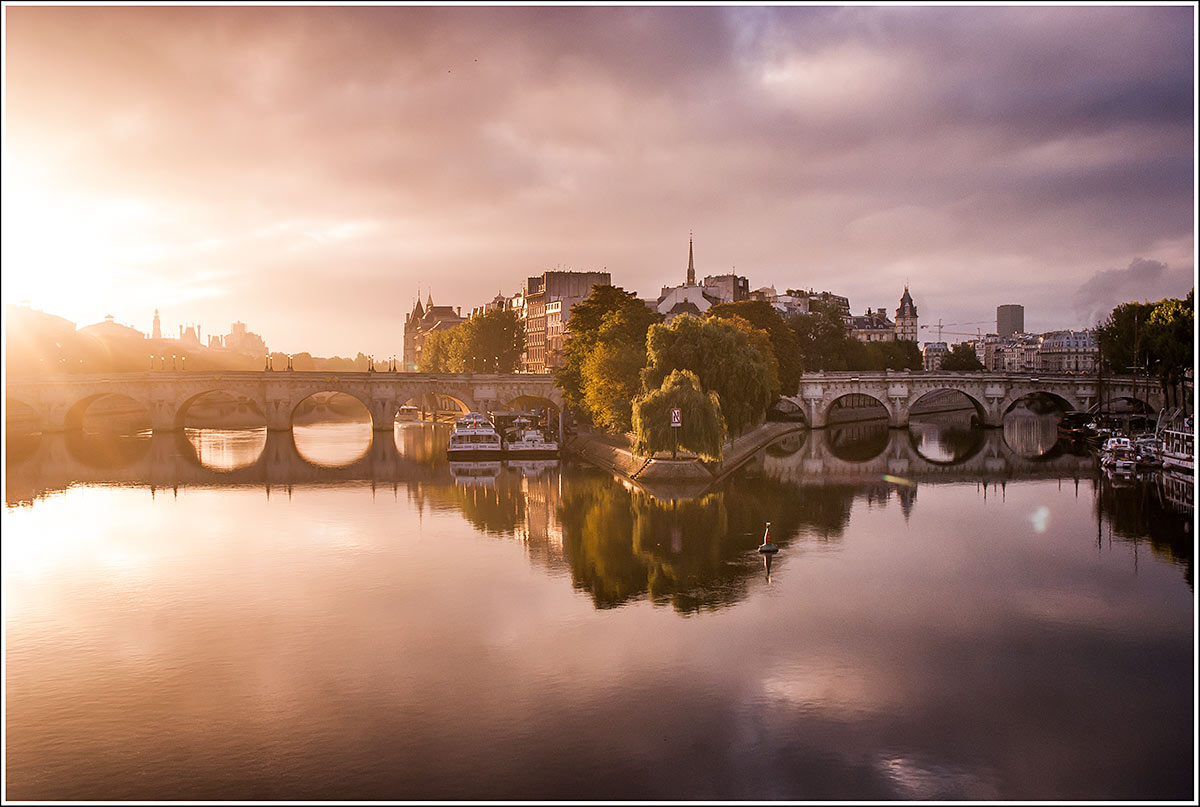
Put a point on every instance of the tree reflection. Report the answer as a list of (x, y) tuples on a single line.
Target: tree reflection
[(1136, 512)]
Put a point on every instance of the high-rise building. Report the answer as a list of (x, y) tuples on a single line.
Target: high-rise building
[(1010, 319)]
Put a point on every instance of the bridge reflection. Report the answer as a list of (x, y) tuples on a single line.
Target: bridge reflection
[(619, 544)]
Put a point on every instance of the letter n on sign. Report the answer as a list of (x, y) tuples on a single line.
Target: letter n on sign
[(676, 417)]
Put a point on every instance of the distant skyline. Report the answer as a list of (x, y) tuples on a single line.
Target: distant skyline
[(308, 170)]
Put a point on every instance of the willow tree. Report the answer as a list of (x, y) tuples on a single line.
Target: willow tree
[(702, 427), (722, 357)]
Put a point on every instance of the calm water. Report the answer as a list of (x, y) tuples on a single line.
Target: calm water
[(954, 614)]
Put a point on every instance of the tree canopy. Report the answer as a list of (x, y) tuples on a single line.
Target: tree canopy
[(702, 427), (784, 343), (961, 357), (1150, 337), (821, 337), (611, 324), (612, 368), (489, 343), (723, 358)]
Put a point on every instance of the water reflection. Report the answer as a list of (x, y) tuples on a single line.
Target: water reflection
[(220, 645), (947, 437), (333, 444), (227, 449), (1029, 433)]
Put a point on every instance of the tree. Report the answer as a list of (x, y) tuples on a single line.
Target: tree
[(1122, 337), (702, 430), (784, 342), (1170, 340), (821, 337), (583, 332), (611, 372), (721, 356), (961, 357), (490, 343), (440, 352)]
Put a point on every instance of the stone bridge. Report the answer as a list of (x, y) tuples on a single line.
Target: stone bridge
[(60, 402), (992, 394)]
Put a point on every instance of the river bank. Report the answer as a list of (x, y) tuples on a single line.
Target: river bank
[(662, 477)]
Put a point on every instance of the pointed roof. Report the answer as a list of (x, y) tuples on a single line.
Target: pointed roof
[(691, 272), (907, 307)]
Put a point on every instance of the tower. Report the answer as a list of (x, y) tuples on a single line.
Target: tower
[(157, 332), (1010, 319), (906, 318), (691, 275)]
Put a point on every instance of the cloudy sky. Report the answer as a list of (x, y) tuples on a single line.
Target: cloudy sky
[(308, 170)]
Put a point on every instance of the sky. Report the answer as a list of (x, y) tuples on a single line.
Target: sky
[(311, 170)]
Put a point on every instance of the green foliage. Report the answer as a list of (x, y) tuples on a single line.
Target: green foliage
[(1158, 337), (612, 367), (722, 357), (1171, 338), (440, 352), (821, 338), (489, 343), (961, 357), (784, 342), (703, 428), (1122, 337), (583, 334)]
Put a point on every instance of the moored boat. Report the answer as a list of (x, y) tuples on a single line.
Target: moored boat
[(1117, 455), (526, 441), (1177, 431), (474, 436)]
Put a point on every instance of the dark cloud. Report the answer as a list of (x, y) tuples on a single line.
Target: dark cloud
[(1142, 281), (968, 151)]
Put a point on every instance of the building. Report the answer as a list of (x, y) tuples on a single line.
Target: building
[(874, 326), (546, 304), (933, 354), (694, 299), (1068, 352), (422, 321), (906, 318), (1010, 319), (241, 340)]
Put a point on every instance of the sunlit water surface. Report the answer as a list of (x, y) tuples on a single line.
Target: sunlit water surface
[(237, 615)]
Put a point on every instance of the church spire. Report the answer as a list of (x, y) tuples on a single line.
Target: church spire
[(691, 275)]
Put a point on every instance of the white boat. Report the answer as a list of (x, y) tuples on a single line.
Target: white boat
[(1117, 455), (408, 412), (526, 441), (1177, 431), (473, 436), (475, 473)]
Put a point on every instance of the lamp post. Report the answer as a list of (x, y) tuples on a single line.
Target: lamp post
[(267, 363), (172, 361), (183, 362), (289, 361), (151, 361)]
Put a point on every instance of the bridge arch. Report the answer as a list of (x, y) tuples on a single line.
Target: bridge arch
[(857, 400), (21, 418), (213, 394), (128, 421), (922, 394), (1064, 402)]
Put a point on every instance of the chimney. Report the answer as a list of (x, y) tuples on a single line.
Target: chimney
[(459, 310)]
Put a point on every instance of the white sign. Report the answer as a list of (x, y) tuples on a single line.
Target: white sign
[(676, 417)]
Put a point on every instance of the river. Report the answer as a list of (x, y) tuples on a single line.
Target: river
[(954, 613)]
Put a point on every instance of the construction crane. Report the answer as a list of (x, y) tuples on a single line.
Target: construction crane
[(978, 332)]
